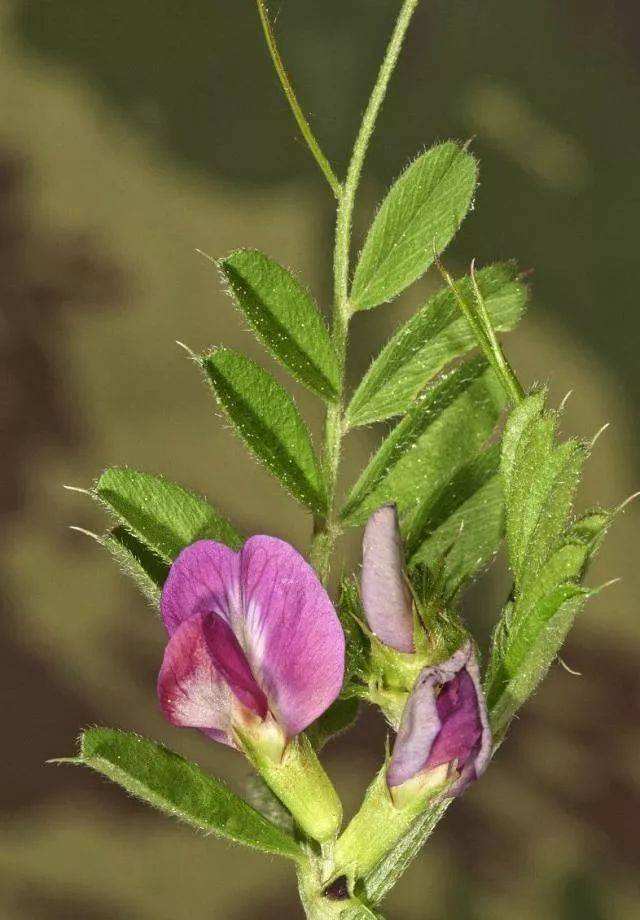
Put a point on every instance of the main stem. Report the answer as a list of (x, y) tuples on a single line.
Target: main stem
[(327, 529)]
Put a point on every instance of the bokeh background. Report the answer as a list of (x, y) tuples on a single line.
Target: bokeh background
[(132, 133)]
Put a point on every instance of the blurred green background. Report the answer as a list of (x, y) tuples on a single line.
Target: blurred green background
[(133, 133)]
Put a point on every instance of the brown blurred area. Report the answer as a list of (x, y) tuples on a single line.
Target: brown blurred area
[(134, 133)]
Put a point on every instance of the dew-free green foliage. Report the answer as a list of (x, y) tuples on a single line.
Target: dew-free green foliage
[(146, 568), (432, 338), (163, 516), (386, 873), (458, 493), (165, 780), (266, 418), (540, 482), (460, 524), (591, 528), (339, 717), (356, 643), (548, 555), (443, 429), (283, 315), (416, 221)]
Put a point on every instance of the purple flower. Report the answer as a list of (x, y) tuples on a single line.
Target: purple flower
[(386, 598), (444, 734), (255, 643)]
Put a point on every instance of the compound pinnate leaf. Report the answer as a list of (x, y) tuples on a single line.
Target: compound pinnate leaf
[(164, 516), (161, 778), (266, 418), (445, 428), (432, 338), (285, 318), (416, 221)]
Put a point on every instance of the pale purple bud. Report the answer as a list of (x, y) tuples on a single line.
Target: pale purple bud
[(386, 598), (444, 734)]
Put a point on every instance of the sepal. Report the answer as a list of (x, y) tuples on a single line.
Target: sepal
[(377, 827), (299, 780)]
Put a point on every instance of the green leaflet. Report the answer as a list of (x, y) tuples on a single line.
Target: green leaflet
[(357, 649), (431, 339), (526, 619), (444, 429), (460, 524), (548, 554), (540, 482), (147, 569), (283, 315), (528, 411), (161, 778), (560, 611), (266, 418), (552, 505), (417, 220), (591, 528), (160, 514)]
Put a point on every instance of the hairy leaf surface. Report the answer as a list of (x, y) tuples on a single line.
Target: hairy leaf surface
[(171, 784), (431, 339), (266, 418), (549, 555), (164, 516), (135, 559), (283, 315), (459, 525), (444, 429), (417, 220)]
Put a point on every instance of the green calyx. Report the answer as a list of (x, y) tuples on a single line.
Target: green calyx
[(299, 780), (394, 673), (381, 822)]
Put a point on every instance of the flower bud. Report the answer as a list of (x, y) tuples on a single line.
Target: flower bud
[(406, 635), (444, 740), (443, 744)]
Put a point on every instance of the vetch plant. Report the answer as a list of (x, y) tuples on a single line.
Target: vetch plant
[(259, 657)]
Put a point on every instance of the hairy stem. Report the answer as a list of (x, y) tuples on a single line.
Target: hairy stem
[(298, 114), (326, 531)]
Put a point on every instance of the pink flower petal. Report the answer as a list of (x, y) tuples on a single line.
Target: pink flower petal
[(292, 636), (205, 676), (386, 597), (231, 663), (191, 691), (205, 578)]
